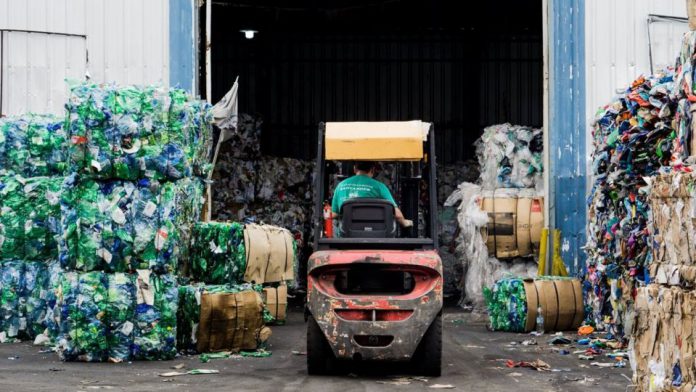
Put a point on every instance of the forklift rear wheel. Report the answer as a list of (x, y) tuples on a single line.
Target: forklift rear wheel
[(428, 357), (320, 358)]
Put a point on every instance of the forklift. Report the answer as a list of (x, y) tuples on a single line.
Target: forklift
[(374, 290)]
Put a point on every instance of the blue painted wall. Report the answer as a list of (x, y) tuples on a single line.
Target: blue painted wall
[(567, 128), (182, 45)]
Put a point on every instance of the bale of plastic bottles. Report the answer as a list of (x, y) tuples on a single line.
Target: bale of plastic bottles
[(513, 304)]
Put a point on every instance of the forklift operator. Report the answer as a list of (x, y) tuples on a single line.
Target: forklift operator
[(362, 185)]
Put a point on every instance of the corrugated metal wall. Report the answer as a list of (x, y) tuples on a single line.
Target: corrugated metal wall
[(462, 81), (126, 42), (616, 44)]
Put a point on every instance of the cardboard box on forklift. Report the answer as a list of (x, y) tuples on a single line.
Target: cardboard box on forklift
[(376, 141), (515, 221), (230, 321), (276, 300), (270, 254)]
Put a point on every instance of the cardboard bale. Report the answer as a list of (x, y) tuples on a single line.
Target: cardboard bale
[(270, 254), (515, 220), (672, 229), (661, 348), (276, 301), (221, 318)]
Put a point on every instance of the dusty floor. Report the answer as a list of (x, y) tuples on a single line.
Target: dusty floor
[(473, 361)]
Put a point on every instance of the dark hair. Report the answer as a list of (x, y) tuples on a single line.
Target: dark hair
[(365, 165)]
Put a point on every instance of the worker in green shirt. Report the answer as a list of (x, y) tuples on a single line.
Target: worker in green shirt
[(362, 185)]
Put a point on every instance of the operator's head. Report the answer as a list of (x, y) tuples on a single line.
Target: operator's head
[(365, 167)]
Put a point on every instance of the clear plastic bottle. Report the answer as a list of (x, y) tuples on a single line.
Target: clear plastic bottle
[(539, 322)]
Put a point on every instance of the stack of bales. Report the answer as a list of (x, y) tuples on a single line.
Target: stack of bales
[(131, 195), (230, 265), (32, 161)]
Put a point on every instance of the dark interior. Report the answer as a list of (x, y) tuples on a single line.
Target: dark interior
[(364, 279), (311, 61)]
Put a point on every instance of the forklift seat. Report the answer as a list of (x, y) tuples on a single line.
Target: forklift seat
[(367, 218)]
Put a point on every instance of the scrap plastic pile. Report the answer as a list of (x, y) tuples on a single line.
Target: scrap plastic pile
[(218, 253), (33, 145), (685, 95), (134, 132), (120, 226), (448, 179), (510, 156), (275, 191), (633, 138), (29, 216)]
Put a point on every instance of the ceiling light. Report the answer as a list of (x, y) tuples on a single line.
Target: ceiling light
[(249, 34)]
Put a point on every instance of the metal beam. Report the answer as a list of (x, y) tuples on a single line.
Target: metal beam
[(567, 155)]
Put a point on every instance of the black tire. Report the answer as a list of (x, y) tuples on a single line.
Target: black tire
[(320, 358), (428, 357)]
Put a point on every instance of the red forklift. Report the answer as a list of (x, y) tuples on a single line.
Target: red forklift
[(374, 290)]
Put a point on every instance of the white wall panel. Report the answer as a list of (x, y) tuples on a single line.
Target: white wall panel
[(616, 44), (127, 42)]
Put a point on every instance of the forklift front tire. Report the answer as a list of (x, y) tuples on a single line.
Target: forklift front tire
[(428, 358), (320, 358)]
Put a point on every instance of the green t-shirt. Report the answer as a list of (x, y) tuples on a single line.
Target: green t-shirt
[(359, 186)]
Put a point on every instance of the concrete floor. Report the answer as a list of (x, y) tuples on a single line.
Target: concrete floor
[(473, 361)]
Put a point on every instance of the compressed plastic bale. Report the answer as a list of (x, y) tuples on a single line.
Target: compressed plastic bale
[(134, 132), (29, 216), (121, 226), (189, 200), (34, 296), (510, 156), (52, 318), (157, 299), (12, 320), (121, 315), (33, 145), (219, 255), (507, 305), (83, 322), (188, 316)]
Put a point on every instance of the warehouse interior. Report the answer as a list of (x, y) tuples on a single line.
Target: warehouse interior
[(315, 61)]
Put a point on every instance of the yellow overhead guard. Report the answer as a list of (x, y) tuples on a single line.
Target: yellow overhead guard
[(376, 141)]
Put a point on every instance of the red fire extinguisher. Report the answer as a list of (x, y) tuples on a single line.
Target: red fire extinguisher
[(328, 221)]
